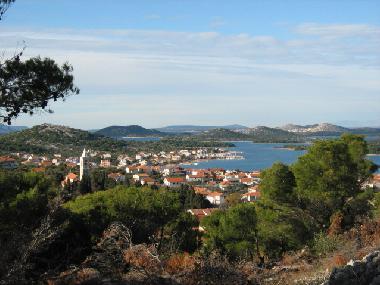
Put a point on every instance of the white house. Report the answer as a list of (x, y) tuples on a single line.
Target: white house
[(215, 198), (174, 181)]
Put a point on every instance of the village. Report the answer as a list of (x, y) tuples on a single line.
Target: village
[(164, 169)]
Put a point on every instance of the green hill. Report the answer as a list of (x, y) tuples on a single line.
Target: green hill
[(257, 134), (262, 134), (47, 138), (128, 131), (222, 134)]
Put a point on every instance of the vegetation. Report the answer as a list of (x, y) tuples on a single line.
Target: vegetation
[(129, 131), (48, 139), (374, 147), (28, 86), (296, 147), (312, 202), (233, 232), (258, 135)]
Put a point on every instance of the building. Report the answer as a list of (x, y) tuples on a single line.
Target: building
[(139, 176), (84, 165), (7, 162), (117, 177), (105, 163), (215, 198), (147, 181), (69, 179), (250, 197), (174, 181)]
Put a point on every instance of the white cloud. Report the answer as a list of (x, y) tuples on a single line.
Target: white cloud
[(162, 77)]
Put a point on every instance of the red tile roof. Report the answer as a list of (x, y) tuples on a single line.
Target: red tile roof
[(6, 159), (175, 179)]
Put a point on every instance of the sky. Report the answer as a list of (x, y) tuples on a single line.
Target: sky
[(210, 62)]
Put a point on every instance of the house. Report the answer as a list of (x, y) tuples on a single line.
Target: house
[(106, 155), (147, 181), (201, 190), (201, 213), (174, 181), (116, 176), (70, 178), (247, 181), (7, 162), (376, 180), (250, 196), (215, 198), (139, 176), (131, 169), (195, 178), (225, 185), (105, 163)]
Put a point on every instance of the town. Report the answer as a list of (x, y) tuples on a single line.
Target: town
[(164, 169)]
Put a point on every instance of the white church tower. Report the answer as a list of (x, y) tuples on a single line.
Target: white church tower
[(84, 165)]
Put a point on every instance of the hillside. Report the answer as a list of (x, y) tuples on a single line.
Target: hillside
[(47, 138), (128, 131), (315, 128), (326, 129), (266, 134), (196, 129), (222, 134), (10, 129)]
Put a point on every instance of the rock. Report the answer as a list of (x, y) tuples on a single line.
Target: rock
[(364, 272)]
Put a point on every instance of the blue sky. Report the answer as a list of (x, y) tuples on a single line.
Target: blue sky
[(157, 63)]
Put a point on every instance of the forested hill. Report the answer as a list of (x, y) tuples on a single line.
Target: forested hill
[(258, 134), (129, 131), (47, 138), (221, 134), (274, 135)]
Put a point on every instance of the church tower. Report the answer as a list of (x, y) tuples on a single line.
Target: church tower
[(84, 165)]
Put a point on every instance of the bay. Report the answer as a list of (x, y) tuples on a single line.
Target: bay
[(258, 156)]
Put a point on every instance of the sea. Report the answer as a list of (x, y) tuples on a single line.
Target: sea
[(258, 156)]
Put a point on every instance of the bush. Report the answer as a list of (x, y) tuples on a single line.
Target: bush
[(324, 244)]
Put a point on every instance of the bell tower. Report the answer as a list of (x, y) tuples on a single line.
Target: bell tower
[(84, 165)]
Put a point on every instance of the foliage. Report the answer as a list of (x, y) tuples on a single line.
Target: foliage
[(282, 228), (258, 135), (324, 244), (143, 210), (4, 5), (330, 174), (233, 199), (277, 183), (47, 139), (374, 147), (29, 86), (189, 199), (125, 131), (182, 233), (233, 232)]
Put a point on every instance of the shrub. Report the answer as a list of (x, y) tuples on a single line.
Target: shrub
[(324, 244)]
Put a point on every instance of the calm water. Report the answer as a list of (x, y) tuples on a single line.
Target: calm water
[(259, 156)]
